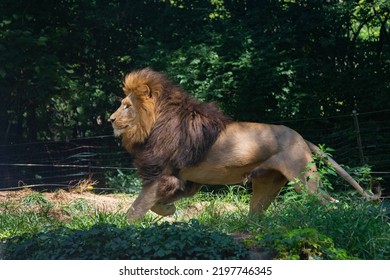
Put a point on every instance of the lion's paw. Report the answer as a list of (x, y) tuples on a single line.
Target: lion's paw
[(164, 209)]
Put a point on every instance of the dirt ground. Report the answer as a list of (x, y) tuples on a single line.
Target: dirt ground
[(106, 202)]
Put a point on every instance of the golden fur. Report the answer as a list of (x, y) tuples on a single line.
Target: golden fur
[(135, 125), (180, 143)]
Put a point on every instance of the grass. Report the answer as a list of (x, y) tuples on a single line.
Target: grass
[(359, 227), (294, 227)]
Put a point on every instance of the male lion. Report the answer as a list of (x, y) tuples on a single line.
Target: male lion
[(180, 143)]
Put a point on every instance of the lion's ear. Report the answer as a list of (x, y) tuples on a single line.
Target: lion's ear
[(143, 91)]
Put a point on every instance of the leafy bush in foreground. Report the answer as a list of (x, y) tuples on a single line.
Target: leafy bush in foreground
[(361, 228), (302, 244), (105, 241)]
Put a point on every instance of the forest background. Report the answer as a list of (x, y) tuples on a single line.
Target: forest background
[(307, 64)]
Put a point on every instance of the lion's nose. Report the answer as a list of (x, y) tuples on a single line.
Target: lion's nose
[(111, 119)]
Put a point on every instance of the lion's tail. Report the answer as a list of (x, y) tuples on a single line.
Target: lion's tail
[(376, 189)]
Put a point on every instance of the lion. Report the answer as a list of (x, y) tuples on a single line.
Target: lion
[(180, 143)]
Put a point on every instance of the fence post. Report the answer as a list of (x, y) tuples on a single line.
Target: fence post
[(358, 138)]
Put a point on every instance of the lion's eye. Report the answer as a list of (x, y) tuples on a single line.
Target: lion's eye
[(126, 106)]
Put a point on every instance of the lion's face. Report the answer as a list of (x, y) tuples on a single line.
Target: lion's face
[(135, 117), (125, 117)]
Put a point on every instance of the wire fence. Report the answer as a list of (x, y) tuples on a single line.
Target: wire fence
[(61, 164), (357, 139)]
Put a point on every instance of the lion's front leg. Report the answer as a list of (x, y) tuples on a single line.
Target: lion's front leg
[(167, 191), (157, 196), (171, 189), (147, 198)]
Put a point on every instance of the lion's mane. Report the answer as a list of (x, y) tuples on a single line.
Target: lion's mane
[(178, 129)]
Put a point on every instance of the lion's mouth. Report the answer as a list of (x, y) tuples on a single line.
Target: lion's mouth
[(118, 131)]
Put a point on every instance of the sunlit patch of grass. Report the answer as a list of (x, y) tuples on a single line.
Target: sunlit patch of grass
[(225, 210)]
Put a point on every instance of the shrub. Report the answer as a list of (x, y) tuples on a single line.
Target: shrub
[(302, 244), (105, 241), (129, 183), (357, 226)]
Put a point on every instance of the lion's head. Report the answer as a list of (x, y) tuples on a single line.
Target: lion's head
[(163, 127), (136, 115)]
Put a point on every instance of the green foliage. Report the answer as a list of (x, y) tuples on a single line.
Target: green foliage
[(290, 228), (105, 241), (359, 227), (18, 223), (61, 64), (324, 168), (36, 199), (328, 176), (362, 175), (260, 60), (302, 244), (121, 182), (225, 210)]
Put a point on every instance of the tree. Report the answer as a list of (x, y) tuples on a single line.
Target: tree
[(61, 64)]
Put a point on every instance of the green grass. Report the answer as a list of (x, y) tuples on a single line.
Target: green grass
[(225, 211), (359, 227), (295, 226)]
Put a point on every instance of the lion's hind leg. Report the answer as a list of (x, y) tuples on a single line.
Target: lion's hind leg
[(266, 185), (314, 184), (303, 174)]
